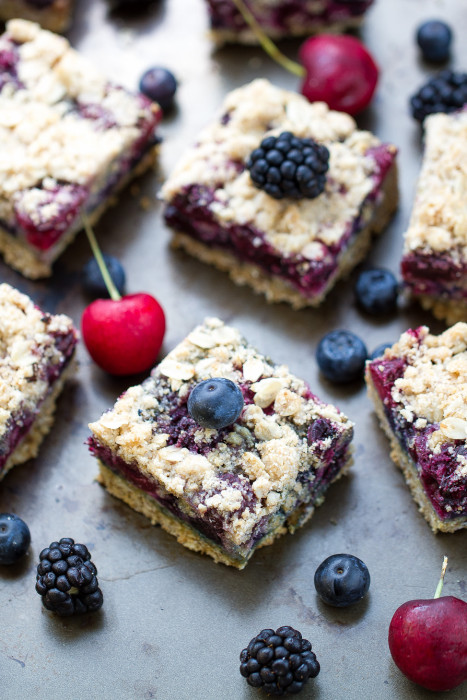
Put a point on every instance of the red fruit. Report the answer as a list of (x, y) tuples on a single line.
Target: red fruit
[(428, 642), (124, 336), (339, 71)]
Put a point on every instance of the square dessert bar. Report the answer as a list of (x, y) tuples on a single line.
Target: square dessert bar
[(284, 18), (222, 492), (50, 14), (434, 263), (69, 140), (290, 250), (419, 388), (36, 353)]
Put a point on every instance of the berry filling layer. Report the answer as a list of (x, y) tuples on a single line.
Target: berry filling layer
[(286, 16), (439, 276), (191, 212), (437, 470)]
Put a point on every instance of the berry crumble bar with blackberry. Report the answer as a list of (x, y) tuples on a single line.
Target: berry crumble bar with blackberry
[(419, 388), (69, 140), (54, 15), (284, 18), (222, 492), (434, 263), (36, 358), (291, 249)]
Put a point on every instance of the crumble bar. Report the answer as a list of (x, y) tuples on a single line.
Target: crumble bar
[(222, 492), (289, 250), (419, 388), (36, 353), (434, 263), (54, 15), (69, 140), (284, 18)]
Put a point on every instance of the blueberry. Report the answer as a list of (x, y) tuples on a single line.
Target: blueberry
[(93, 281), (15, 538), (160, 85), (341, 580), (341, 356), (377, 352), (434, 39), (215, 403), (376, 291)]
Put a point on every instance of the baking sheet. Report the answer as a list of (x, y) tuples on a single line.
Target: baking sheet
[(173, 622)]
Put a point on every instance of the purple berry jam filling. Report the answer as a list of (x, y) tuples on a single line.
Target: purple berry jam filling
[(440, 276), (190, 212), (9, 57), (447, 493), (21, 422), (281, 18)]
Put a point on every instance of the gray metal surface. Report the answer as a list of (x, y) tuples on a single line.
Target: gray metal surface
[(173, 622)]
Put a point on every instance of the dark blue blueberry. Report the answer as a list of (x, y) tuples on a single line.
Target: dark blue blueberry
[(376, 291), (15, 538), (215, 403), (341, 356), (434, 39), (377, 352), (341, 580), (93, 281), (160, 85)]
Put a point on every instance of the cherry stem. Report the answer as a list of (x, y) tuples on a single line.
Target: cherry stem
[(439, 587), (111, 288), (266, 43)]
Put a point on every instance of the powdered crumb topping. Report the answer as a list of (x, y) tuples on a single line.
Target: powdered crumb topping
[(28, 347), (248, 115), (44, 133), (264, 452), (439, 218), (433, 388)]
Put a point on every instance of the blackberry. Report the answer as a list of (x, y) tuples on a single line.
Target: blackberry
[(287, 166), (278, 661), (445, 92), (67, 579)]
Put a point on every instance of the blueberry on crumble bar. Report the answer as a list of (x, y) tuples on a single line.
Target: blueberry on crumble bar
[(35, 360), (226, 491), (69, 140), (289, 249), (284, 18), (54, 15), (434, 262), (419, 388)]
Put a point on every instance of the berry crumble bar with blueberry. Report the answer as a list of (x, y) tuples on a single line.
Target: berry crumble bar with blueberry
[(294, 248), (419, 388), (222, 492), (69, 141), (434, 263), (36, 358), (54, 15), (284, 18)]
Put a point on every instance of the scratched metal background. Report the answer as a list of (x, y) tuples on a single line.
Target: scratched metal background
[(173, 622)]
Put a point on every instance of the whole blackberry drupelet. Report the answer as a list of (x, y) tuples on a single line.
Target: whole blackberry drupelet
[(67, 579), (287, 166), (445, 92), (278, 661)]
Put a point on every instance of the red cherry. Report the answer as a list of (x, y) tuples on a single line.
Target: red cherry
[(428, 642), (339, 71), (124, 336)]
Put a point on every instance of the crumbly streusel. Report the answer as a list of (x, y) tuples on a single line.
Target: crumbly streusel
[(247, 116), (271, 453)]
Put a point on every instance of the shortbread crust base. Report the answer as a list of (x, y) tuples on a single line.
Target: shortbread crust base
[(278, 290), (403, 461), (29, 446), (449, 311), (21, 257), (247, 36), (141, 502), (56, 18)]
